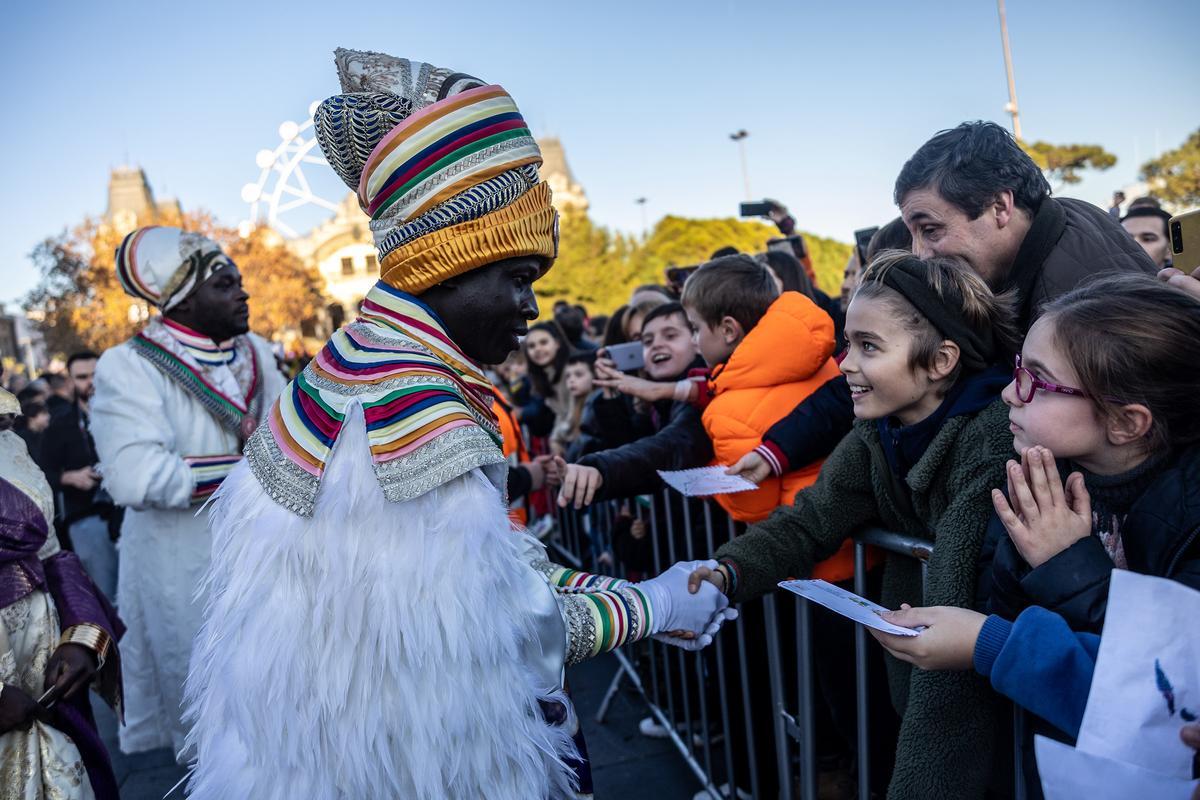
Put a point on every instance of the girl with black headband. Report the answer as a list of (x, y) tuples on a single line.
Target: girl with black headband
[(929, 348)]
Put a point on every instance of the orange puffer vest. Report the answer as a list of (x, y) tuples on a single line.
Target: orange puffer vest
[(784, 359)]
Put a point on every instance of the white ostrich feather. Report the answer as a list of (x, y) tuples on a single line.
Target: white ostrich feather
[(370, 651)]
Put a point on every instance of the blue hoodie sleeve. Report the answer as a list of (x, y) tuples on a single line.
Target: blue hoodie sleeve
[(1040, 664)]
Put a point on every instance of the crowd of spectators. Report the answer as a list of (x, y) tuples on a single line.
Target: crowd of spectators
[(897, 405)]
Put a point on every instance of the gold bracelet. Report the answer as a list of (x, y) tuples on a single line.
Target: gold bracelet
[(93, 637)]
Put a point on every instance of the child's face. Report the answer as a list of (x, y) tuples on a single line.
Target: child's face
[(667, 346), (882, 384), (541, 348), (1068, 425), (578, 378), (715, 344)]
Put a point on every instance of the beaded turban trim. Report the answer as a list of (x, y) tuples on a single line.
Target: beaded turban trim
[(164, 265), (444, 165)]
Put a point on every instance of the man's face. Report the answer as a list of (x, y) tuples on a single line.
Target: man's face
[(850, 279), (488, 310), (218, 307), (1151, 234), (667, 346), (81, 375), (940, 228)]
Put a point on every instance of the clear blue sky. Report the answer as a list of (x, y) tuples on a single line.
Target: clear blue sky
[(643, 94)]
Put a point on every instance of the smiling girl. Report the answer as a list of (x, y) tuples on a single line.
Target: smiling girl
[(928, 444)]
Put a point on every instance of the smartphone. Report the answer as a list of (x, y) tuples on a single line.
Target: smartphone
[(793, 245), (627, 357), (862, 241), (1185, 241), (758, 209)]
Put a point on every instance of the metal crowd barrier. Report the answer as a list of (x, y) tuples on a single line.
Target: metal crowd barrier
[(719, 748)]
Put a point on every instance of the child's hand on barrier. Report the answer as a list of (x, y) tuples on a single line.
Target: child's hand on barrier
[(1042, 516), (752, 466), (579, 485), (948, 641)]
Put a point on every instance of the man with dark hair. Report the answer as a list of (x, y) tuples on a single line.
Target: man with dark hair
[(972, 193), (62, 393), (69, 455), (1147, 224), (572, 321)]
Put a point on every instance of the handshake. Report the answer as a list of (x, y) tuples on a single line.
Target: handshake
[(683, 617)]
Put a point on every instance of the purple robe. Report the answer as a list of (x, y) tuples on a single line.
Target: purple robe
[(23, 531)]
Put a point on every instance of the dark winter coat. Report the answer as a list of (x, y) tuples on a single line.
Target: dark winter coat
[(947, 737), (1069, 241), (1160, 535)]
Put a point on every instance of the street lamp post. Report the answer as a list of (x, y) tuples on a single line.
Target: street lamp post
[(1011, 107), (641, 201), (740, 138)]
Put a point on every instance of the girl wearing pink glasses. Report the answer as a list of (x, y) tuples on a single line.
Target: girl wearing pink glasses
[(1107, 387)]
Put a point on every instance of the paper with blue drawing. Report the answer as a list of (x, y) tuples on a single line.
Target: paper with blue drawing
[(1145, 688), (705, 481)]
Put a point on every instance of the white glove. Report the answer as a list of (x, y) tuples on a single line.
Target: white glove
[(676, 609), (705, 639)]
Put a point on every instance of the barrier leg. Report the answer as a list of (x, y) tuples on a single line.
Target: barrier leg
[(862, 693), (778, 702), (723, 689), (807, 732)]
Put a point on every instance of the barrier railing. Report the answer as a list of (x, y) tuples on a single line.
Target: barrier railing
[(721, 744)]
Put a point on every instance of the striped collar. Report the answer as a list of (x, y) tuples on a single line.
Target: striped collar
[(426, 406), (199, 346)]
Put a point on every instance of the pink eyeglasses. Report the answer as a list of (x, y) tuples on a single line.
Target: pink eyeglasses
[(1027, 385)]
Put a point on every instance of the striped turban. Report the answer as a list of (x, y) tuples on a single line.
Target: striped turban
[(444, 165), (164, 265)]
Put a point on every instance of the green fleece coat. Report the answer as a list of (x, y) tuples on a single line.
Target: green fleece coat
[(947, 736)]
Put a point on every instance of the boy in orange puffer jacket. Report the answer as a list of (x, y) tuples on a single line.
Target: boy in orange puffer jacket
[(767, 351)]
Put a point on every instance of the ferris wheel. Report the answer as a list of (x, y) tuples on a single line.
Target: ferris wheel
[(283, 197)]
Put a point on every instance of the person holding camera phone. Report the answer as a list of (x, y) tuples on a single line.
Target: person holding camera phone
[(627, 445)]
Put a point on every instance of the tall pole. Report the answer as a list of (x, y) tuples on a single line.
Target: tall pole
[(1011, 108), (740, 138), (641, 201)]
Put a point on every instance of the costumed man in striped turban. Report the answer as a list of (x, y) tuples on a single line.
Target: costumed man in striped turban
[(171, 411), (377, 627)]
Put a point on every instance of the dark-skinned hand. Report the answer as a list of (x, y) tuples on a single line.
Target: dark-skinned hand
[(17, 709), (70, 668)]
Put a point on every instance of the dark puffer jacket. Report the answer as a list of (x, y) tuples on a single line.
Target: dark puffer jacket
[(947, 737), (1161, 537)]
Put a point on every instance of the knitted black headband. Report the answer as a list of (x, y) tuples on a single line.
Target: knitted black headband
[(910, 277)]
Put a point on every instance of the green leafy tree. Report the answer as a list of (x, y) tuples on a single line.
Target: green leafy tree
[(1062, 163), (600, 268), (1175, 175)]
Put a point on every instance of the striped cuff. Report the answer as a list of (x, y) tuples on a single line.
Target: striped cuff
[(208, 472), (574, 580), (774, 457), (601, 621)]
